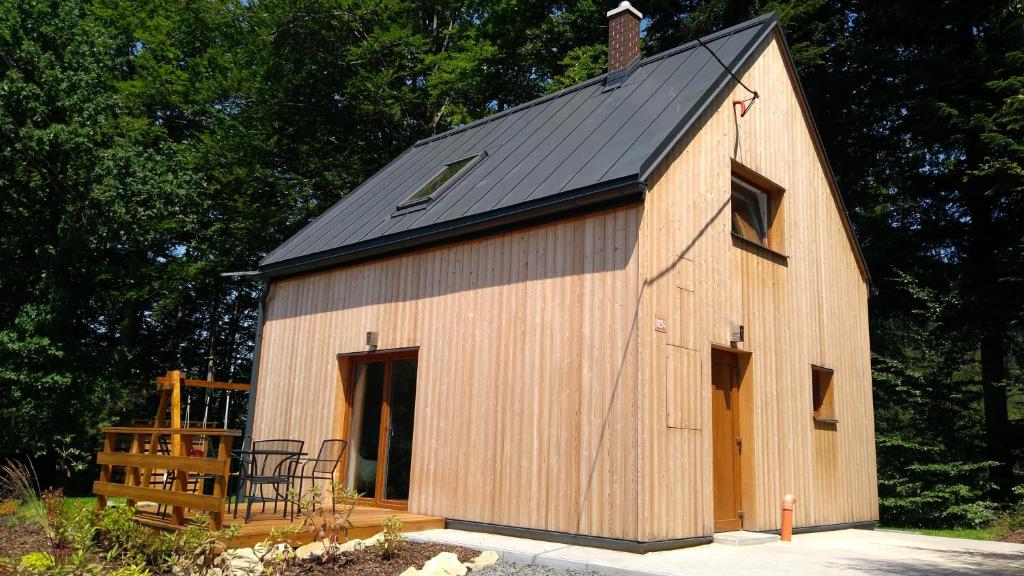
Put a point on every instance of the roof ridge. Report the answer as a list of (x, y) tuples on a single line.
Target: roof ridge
[(589, 82)]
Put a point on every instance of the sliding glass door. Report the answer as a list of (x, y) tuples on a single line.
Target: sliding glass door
[(383, 400)]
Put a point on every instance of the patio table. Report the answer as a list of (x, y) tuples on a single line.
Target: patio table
[(289, 457)]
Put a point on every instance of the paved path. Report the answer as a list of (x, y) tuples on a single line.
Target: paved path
[(835, 553)]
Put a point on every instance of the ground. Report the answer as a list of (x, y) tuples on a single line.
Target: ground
[(842, 552), (369, 562)]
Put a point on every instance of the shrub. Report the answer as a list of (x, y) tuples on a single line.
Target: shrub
[(391, 537), (331, 524), (195, 549), (918, 488), (125, 540), (36, 563)]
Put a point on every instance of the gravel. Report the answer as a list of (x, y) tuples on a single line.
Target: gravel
[(511, 568)]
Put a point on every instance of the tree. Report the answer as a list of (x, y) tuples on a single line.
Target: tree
[(93, 208)]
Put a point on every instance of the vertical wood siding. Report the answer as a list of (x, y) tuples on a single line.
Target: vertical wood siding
[(527, 375), (810, 308), (547, 399)]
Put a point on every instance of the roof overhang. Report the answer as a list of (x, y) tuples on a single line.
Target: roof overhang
[(610, 194)]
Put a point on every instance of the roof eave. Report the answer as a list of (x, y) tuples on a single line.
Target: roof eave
[(620, 191)]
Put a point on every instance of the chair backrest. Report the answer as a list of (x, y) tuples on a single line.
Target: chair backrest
[(329, 456), (274, 464)]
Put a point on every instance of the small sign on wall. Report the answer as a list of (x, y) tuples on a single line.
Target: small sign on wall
[(660, 324)]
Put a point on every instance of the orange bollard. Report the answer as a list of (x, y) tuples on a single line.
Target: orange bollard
[(788, 501)]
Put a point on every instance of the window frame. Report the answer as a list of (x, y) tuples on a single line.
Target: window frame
[(823, 395), (772, 210), (411, 202), (762, 201)]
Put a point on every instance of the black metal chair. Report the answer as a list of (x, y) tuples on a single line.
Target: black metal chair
[(267, 464), (320, 468)]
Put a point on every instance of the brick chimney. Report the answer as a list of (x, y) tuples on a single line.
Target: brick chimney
[(623, 36)]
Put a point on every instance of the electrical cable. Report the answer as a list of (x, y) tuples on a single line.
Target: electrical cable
[(744, 104)]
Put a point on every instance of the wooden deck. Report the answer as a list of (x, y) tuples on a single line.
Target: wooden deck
[(366, 521)]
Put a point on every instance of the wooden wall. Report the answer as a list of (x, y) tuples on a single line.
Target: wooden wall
[(547, 398), (809, 307), (527, 377)]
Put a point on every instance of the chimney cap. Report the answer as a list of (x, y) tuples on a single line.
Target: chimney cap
[(623, 7)]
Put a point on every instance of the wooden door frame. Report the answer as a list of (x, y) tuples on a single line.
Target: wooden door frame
[(347, 363), (748, 486)]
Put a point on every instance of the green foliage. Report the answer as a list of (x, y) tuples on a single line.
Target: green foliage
[(126, 541), (36, 563), (331, 524), (391, 537), (581, 64), (195, 549)]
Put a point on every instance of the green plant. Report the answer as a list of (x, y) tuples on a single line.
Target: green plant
[(18, 482), (126, 541), (7, 565), (391, 537), (330, 524), (131, 570), (195, 549), (36, 563)]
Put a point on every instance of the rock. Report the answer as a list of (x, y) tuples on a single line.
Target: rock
[(444, 564), (352, 545), (372, 540), (276, 553), (410, 571), (483, 560), (241, 562), (312, 549)]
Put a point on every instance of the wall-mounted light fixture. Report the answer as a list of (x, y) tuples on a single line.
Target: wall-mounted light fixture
[(371, 340), (735, 332)]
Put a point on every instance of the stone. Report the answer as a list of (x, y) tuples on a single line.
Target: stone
[(352, 545), (312, 549), (410, 571), (444, 564), (274, 553), (241, 562), (483, 560), (372, 540)]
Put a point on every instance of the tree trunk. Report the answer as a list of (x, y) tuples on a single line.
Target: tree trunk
[(999, 437)]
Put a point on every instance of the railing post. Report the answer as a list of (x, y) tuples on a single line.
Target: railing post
[(109, 439), (175, 380), (131, 473), (181, 476), (220, 482)]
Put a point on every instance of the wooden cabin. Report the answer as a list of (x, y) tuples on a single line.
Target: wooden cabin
[(632, 313)]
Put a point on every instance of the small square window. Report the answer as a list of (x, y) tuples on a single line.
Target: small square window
[(823, 395), (756, 209), (749, 212)]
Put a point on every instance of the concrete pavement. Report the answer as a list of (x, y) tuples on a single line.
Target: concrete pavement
[(842, 552)]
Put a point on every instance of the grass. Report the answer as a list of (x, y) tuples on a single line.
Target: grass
[(75, 503), (987, 533)]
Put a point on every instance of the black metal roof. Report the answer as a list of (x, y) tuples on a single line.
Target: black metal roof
[(589, 143)]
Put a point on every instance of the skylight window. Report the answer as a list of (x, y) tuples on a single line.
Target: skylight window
[(443, 180)]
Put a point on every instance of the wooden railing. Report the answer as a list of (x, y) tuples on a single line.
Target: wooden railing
[(143, 460)]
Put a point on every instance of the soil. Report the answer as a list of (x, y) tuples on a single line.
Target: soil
[(368, 562), (18, 539), (1017, 537)]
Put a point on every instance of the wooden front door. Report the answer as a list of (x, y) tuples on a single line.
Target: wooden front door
[(382, 406), (725, 425)]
